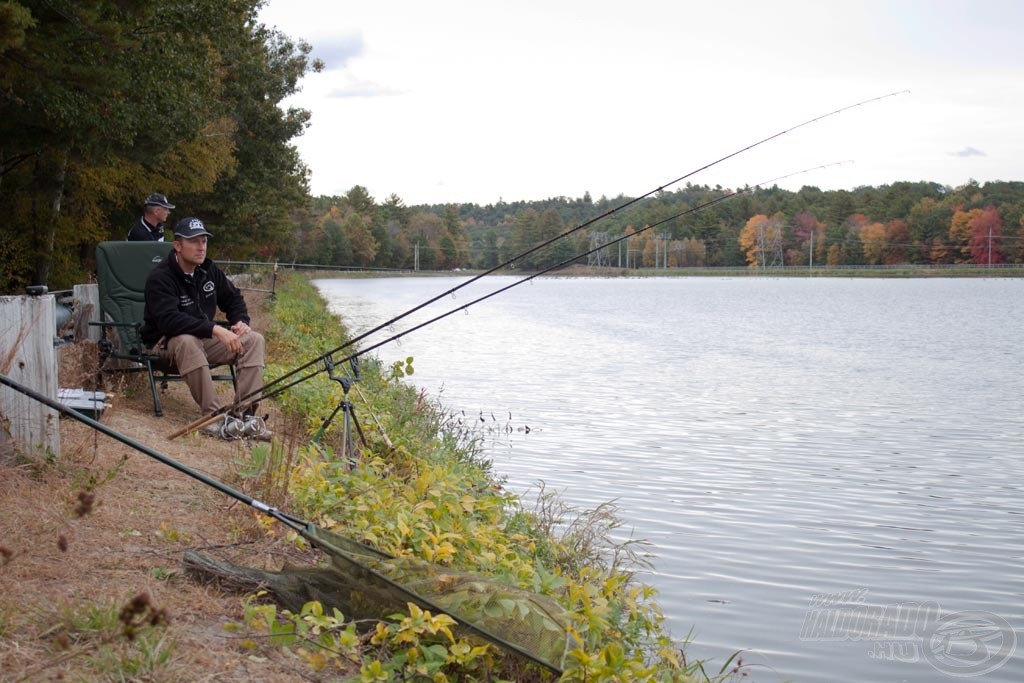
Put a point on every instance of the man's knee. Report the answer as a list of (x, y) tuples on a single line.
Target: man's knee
[(187, 352), (253, 345)]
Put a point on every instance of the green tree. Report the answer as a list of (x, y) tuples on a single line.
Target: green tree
[(525, 235), (335, 247), (840, 207), (104, 101), (550, 227), (425, 232), (852, 245), (253, 206), (928, 223), (459, 239), (390, 231)]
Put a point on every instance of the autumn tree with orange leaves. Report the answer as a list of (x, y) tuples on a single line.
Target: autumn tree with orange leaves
[(758, 238), (960, 234), (873, 237)]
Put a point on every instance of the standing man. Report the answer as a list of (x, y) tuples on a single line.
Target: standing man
[(154, 214), (183, 293)]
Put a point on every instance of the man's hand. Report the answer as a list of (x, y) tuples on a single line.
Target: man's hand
[(229, 338), (240, 328)]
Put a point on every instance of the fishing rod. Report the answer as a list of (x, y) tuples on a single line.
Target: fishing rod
[(307, 530), (243, 401), (212, 417)]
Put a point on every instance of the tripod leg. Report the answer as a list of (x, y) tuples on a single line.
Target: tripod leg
[(359, 428), (348, 451), (326, 424)]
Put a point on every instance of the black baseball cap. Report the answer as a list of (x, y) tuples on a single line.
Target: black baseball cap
[(157, 199), (190, 227)]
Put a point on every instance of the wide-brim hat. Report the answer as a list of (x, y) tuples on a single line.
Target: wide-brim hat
[(190, 227), (157, 199)]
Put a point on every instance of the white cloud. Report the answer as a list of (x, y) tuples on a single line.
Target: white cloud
[(969, 152)]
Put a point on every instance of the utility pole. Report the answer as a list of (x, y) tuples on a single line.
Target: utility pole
[(990, 246)]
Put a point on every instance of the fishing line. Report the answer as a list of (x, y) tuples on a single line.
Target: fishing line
[(245, 400)]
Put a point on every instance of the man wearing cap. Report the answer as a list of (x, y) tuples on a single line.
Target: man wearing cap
[(183, 293), (150, 228)]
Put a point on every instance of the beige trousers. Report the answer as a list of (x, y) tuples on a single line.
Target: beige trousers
[(193, 357)]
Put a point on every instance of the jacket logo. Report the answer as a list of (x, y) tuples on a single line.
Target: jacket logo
[(208, 287), (157, 259)]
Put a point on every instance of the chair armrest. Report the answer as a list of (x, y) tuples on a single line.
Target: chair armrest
[(128, 334)]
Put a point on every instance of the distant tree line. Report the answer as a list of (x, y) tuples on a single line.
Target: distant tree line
[(903, 223), (104, 101)]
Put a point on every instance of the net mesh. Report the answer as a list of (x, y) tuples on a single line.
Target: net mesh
[(364, 584)]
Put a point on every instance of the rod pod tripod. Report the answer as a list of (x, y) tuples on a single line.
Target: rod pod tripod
[(350, 423)]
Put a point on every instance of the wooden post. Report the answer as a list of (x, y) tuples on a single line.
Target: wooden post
[(27, 330), (87, 310)]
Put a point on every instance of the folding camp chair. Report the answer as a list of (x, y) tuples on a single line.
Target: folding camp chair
[(121, 270)]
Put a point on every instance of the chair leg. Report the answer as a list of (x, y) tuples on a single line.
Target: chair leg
[(158, 407)]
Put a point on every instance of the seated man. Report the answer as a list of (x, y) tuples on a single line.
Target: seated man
[(183, 293)]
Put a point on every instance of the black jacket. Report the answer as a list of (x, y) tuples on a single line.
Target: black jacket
[(177, 305), (144, 232)]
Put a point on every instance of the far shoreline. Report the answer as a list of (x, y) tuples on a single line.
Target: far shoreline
[(893, 271)]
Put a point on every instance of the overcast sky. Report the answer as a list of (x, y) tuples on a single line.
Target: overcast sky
[(443, 101)]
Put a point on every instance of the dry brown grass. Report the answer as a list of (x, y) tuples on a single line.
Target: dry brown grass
[(62, 554)]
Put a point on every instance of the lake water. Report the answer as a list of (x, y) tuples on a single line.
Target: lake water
[(828, 470)]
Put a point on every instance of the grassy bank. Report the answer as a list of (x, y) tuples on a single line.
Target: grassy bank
[(421, 487)]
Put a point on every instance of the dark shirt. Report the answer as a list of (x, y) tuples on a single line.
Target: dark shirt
[(144, 232), (178, 304)]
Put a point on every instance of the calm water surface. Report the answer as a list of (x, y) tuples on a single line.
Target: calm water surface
[(808, 457)]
